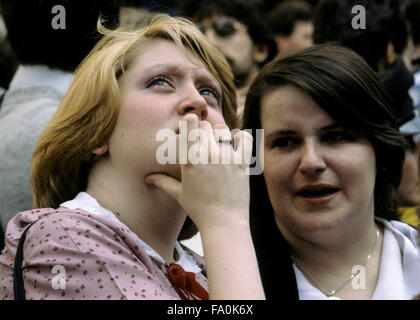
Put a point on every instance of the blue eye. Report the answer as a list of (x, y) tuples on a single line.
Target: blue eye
[(211, 92), (159, 81)]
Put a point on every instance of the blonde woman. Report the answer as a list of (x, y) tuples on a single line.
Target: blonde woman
[(112, 215)]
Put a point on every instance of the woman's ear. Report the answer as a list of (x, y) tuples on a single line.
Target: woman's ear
[(260, 52), (101, 150)]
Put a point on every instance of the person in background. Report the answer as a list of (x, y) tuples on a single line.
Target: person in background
[(412, 14), (135, 18), (271, 4), (106, 210), (381, 44), (169, 7), (292, 26), (408, 193), (237, 28), (49, 43), (323, 213)]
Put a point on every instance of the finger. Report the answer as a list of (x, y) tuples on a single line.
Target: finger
[(208, 145), (165, 183), (243, 154), (186, 124), (193, 135), (221, 131), (224, 140)]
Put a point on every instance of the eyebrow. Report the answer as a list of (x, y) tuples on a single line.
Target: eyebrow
[(288, 132), (167, 67), (332, 126), (202, 73)]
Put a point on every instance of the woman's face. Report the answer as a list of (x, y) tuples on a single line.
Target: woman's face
[(319, 176), (162, 84), (237, 47)]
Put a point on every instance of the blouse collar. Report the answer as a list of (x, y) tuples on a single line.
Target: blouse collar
[(88, 203)]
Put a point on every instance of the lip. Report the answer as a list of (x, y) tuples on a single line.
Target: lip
[(317, 200), (316, 187)]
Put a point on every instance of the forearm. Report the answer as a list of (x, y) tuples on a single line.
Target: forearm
[(231, 263)]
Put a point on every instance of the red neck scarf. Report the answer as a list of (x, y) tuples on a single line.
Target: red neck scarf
[(186, 284)]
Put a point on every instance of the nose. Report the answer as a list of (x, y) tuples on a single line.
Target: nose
[(312, 159), (193, 102)]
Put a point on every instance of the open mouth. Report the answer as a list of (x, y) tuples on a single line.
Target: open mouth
[(317, 193)]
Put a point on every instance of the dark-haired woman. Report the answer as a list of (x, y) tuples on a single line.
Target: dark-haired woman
[(323, 212)]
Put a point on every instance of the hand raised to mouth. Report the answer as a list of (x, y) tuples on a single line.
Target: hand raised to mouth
[(208, 191)]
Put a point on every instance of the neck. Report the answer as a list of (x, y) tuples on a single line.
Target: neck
[(344, 268), (155, 217), (335, 252)]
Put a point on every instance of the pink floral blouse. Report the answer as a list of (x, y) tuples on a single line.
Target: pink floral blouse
[(74, 254)]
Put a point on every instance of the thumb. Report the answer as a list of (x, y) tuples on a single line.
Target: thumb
[(165, 183)]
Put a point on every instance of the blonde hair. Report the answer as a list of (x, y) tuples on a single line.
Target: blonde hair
[(88, 113)]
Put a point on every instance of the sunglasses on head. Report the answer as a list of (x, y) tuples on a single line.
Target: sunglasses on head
[(223, 26)]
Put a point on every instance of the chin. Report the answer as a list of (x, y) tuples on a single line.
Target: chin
[(323, 224), (315, 222)]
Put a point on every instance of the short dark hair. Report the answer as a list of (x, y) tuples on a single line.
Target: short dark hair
[(251, 13), (35, 41), (384, 23), (342, 84), (284, 17)]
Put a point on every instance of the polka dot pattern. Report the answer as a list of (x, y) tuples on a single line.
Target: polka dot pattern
[(100, 257)]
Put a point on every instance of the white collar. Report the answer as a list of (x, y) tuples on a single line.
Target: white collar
[(399, 274), (41, 76), (88, 203), (399, 277)]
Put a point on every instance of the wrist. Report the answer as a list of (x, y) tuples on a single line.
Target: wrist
[(225, 229), (219, 220)]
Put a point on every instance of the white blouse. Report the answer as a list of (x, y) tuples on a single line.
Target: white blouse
[(399, 274)]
